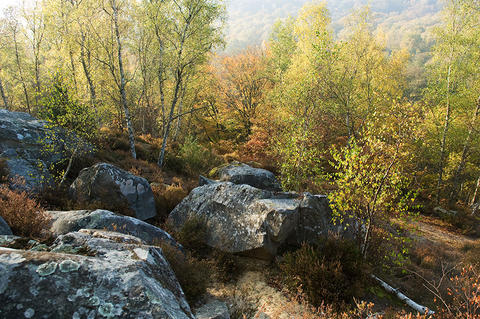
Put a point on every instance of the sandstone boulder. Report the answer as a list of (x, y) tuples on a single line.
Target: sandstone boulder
[(239, 173), (71, 221), (100, 275), (244, 219), (115, 189), (4, 228), (22, 144)]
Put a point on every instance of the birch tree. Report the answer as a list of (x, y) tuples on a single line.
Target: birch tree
[(194, 29)]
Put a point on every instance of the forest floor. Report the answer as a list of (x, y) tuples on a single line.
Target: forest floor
[(438, 250)]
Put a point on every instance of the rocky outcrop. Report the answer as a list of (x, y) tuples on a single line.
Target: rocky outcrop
[(213, 309), (22, 144), (90, 274), (244, 219), (239, 173), (114, 189), (71, 221), (4, 228)]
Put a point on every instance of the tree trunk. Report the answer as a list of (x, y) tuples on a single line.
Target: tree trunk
[(466, 149), (86, 71), (20, 71), (160, 74), (69, 167), (123, 82), (412, 304), (161, 158), (474, 198), (4, 96), (74, 69), (443, 147), (180, 109), (180, 68), (162, 99)]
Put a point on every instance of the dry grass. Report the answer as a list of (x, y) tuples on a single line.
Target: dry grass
[(23, 214)]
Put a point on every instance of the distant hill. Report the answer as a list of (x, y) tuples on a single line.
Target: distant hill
[(250, 21)]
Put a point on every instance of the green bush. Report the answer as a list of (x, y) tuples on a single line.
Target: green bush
[(332, 271), (195, 157)]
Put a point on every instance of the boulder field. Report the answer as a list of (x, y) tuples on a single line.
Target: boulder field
[(101, 264)]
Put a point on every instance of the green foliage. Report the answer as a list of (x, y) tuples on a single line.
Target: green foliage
[(71, 127), (193, 158), (331, 272), (60, 109), (370, 188), (450, 148), (300, 158)]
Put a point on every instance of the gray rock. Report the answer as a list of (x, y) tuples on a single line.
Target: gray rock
[(239, 173), (20, 143), (4, 228), (202, 180), (213, 309), (244, 219), (114, 188), (442, 212), (108, 275), (7, 240), (70, 221)]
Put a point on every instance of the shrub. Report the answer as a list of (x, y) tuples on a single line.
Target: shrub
[(3, 170), (471, 254), (23, 214), (466, 293), (167, 197), (192, 274), (331, 272), (196, 158), (226, 266), (193, 234)]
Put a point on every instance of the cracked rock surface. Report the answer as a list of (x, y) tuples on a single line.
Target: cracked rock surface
[(113, 187), (90, 274), (245, 219)]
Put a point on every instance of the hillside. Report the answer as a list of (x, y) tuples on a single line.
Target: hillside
[(250, 22)]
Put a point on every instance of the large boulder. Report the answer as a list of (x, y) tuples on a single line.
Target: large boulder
[(4, 228), (115, 189), (101, 275), (239, 173), (71, 221), (22, 144), (244, 219)]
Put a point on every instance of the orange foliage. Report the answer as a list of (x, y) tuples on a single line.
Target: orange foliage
[(23, 214)]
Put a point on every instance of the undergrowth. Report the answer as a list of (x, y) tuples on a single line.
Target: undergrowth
[(23, 214)]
